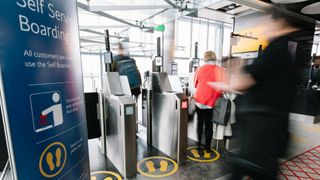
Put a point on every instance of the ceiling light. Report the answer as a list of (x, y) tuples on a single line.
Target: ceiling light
[(231, 6), (311, 9), (287, 1)]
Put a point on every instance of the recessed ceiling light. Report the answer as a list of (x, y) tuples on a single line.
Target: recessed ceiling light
[(287, 1), (311, 9)]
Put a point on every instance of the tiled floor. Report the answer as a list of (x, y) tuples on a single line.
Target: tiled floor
[(187, 170), (303, 137), (303, 166)]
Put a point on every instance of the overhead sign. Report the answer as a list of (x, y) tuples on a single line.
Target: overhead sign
[(42, 89)]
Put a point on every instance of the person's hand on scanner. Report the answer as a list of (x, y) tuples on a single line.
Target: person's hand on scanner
[(223, 87)]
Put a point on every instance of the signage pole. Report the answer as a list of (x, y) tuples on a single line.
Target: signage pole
[(7, 131), (6, 168)]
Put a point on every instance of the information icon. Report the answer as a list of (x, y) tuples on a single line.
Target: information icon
[(46, 110)]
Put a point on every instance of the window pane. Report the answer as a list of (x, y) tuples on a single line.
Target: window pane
[(183, 38), (203, 38), (88, 85), (183, 67), (195, 36), (91, 72), (144, 64), (226, 41), (212, 38), (316, 45), (218, 47)]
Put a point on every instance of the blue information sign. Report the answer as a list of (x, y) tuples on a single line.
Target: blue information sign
[(42, 89)]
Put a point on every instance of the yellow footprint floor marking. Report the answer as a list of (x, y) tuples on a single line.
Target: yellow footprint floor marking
[(49, 159), (163, 166), (150, 166), (207, 155), (58, 156), (105, 175), (195, 153)]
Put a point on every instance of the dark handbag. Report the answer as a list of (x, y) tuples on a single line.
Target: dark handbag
[(221, 111), (192, 107)]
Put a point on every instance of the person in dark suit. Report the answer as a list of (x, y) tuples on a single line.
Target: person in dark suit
[(267, 87)]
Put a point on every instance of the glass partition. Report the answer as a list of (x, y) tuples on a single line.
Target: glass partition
[(210, 35), (91, 69)]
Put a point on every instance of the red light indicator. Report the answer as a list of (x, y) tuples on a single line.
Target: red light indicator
[(184, 105)]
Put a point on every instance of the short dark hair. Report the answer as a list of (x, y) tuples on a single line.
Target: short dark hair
[(277, 14)]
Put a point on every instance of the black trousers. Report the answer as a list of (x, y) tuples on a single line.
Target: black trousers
[(263, 139), (205, 117)]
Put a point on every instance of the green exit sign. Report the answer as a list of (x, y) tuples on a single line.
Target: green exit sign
[(160, 28)]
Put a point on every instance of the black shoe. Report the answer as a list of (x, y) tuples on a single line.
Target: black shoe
[(200, 151), (208, 149)]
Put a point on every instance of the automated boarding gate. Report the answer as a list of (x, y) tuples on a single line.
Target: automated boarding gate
[(120, 123), (169, 116)]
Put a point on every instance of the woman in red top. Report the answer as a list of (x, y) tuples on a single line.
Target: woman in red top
[(205, 96)]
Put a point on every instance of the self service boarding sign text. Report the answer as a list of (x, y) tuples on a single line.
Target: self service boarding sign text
[(42, 89)]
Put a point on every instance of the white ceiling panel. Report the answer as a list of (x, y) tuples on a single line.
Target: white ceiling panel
[(311, 9), (127, 8), (215, 15), (126, 2), (133, 15), (86, 19), (163, 18), (219, 4)]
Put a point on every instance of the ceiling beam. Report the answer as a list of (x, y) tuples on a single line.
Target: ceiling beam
[(179, 7), (103, 14), (102, 26), (171, 4), (124, 8), (102, 34), (92, 31), (150, 17), (90, 41)]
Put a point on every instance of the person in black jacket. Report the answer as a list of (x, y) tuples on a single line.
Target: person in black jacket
[(126, 66), (268, 87)]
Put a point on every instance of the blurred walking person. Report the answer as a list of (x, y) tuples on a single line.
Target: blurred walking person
[(126, 66), (268, 87)]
